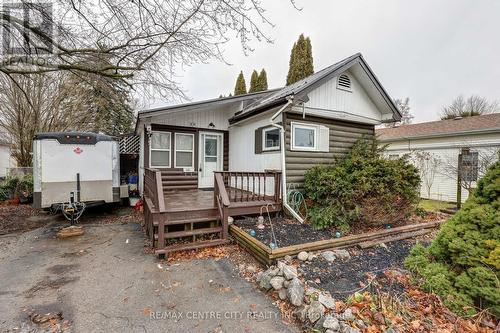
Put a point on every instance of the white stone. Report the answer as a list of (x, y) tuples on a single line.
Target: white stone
[(289, 272), (342, 254), (277, 282), (296, 292), (303, 256), (315, 311), (331, 323), (327, 301), (282, 294), (328, 256)]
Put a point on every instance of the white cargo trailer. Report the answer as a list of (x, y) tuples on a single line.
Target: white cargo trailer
[(83, 165)]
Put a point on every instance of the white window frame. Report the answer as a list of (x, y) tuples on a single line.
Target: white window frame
[(185, 168), (315, 128), (161, 149), (264, 131)]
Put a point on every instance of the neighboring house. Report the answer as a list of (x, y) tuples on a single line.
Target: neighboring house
[(319, 118), (6, 160), (435, 146)]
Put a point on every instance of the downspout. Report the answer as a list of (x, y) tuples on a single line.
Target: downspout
[(283, 164)]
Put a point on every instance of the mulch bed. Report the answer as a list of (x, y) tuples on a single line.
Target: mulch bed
[(345, 277), (18, 218), (22, 218), (287, 231), (291, 232)]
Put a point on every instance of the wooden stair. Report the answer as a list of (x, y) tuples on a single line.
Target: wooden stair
[(178, 180)]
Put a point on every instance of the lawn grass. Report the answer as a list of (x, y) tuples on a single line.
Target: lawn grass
[(435, 205)]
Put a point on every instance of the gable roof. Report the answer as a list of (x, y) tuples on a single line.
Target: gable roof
[(299, 89), (442, 128), (204, 103)]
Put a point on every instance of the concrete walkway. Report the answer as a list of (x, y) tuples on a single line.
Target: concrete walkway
[(104, 282)]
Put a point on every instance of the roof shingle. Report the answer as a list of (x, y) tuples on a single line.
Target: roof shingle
[(468, 124)]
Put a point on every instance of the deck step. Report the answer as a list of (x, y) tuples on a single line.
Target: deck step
[(191, 246), (193, 220), (179, 177), (186, 233), (179, 187), (167, 183)]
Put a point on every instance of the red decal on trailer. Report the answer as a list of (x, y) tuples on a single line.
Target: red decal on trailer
[(78, 150)]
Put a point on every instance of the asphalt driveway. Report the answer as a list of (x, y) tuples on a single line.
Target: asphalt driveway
[(104, 282)]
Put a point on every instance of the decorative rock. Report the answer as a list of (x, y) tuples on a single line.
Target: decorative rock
[(327, 301), (289, 272), (342, 254), (282, 294), (301, 313), (318, 327), (296, 292), (277, 282), (361, 325), (315, 311), (274, 270), (390, 330), (265, 280), (331, 323), (328, 256), (251, 269), (302, 256), (311, 257), (286, 284), (310, 291), (346, 315), (288, 258)]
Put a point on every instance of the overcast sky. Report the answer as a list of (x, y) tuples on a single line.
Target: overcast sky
[(430, 50)]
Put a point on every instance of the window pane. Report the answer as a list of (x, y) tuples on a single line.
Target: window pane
[(160, 158), (272, 138), (183, 159), (183, 142), (304, 137), (160, 140), (210, 147)]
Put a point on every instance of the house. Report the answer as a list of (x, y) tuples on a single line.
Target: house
[(226, 156), (6, 160), (435, 148)]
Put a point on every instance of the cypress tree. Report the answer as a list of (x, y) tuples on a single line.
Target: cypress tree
[(291, 64), (254, 82), (301, 61), (262, 80), (240, 88)]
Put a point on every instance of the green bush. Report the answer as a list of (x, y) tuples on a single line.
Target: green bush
[(462, 264), (16, 186), (364, 186)]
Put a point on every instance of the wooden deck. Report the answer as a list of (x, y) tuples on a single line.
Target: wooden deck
[(195, 218)]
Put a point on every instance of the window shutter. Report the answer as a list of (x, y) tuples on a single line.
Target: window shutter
[(324, 139), (258, 141)]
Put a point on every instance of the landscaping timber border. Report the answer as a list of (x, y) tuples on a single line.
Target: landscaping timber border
[(267, 256)]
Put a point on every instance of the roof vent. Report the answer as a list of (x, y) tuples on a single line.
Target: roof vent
[(344, 82)]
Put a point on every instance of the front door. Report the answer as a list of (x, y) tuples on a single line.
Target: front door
[(210, 158)]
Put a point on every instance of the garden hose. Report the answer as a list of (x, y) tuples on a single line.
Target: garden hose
[(296, 200)]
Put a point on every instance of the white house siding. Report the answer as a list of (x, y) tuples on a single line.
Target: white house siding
[(351, 105), (200, 118), (242, 155), (446, 149), (4, 160)]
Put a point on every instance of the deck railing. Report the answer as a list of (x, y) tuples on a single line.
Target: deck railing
[(154, 202), (153, 188), (251, 186), (221, 201)]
